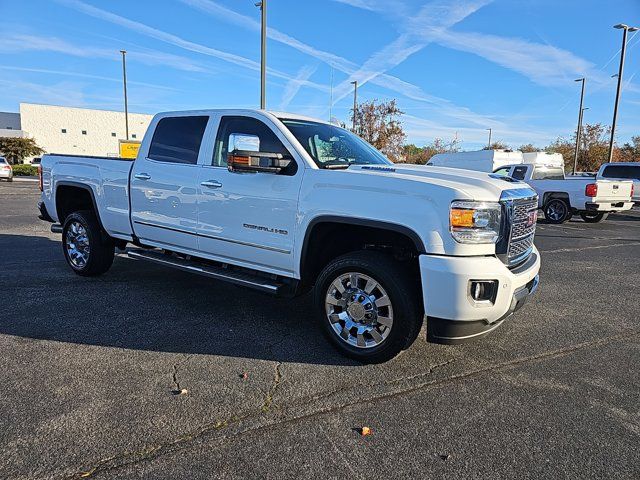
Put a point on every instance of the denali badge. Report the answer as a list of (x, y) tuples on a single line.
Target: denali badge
[(265, 229), (532, 218)]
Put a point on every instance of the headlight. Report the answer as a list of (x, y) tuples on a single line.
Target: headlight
[(475, 222)]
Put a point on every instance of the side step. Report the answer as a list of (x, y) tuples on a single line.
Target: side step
[(219, 273)]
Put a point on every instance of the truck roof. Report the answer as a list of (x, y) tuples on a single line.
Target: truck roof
[(242, 111)]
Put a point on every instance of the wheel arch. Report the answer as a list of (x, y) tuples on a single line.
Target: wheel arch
[(66, 203), (317, 250), (548, 196)]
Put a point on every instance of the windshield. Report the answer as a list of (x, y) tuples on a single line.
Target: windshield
[(333, 147)]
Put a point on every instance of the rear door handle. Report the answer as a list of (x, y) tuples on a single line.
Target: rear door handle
[(211, 184), (142, 176)]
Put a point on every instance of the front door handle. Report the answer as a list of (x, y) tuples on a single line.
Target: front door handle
[(211, 184), (142, 176)]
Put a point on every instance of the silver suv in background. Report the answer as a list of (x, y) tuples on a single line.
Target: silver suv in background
[(6, 171)]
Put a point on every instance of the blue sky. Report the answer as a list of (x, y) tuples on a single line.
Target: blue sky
[(456, 67)]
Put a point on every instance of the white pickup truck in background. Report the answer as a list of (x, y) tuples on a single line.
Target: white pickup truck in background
[(561, 197), (284, 204)]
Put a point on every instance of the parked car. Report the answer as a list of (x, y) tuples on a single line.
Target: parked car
[(561, 197), (284, 204), (6, 171), (36, 161), (623, 170)]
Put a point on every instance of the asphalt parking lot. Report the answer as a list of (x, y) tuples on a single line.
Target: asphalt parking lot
[(91, 368)]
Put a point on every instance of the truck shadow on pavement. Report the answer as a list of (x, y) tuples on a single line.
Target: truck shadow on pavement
[(140, 306)]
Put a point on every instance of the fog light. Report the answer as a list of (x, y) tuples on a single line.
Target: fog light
[(483, 290)]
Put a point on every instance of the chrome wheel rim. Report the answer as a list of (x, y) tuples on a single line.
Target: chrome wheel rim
[(359, 310), (556, 211), (77, 244)]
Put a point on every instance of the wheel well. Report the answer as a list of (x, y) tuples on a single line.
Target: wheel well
[(556, 195), (71, 199), (328, 240)]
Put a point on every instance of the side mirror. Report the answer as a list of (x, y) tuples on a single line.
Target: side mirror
[(249, 161)]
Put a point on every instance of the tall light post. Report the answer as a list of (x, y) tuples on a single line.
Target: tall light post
[(263, 53), (355, 102), (579, 130), (625, 30), (489, 144), (124, 81), (581, 116)]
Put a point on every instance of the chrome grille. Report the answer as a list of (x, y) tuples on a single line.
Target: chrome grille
[(519, 231)]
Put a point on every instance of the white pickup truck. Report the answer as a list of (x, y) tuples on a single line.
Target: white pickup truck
[(561, 197), (284, 204)]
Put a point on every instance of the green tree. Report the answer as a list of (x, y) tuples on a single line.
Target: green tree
[(629, 152), (421, 155), (529, 148), (379, 124), (16, 149), (498, 145), (593, 150)]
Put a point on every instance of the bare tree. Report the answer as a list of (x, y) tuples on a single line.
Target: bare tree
[(378, 123)]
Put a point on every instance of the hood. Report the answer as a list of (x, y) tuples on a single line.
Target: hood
[(472, 184)]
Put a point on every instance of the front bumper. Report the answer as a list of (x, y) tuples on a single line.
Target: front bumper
[(452, 315), (609, 206)]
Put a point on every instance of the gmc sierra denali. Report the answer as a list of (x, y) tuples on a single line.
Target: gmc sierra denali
[(283, 204)]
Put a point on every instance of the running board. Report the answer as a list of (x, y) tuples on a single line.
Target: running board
[(219, 273)]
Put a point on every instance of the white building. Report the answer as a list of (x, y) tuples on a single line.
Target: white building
[(73, 131)]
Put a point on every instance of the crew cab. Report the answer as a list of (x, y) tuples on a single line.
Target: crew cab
[(561, 197), (284, 204)]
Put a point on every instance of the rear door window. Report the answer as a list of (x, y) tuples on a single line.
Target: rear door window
[(519, 173), (178, 139)]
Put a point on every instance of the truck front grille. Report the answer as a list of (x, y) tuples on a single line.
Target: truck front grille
[(519, 228)]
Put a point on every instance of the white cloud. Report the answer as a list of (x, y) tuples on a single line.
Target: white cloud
[(175, 40), (14, 43), (293, 87)]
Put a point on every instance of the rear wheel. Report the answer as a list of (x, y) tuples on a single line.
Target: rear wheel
[(368, 306), (590, 217), (87, 249), (556, 211)]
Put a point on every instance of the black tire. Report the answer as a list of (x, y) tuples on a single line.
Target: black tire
[(100, 249), (10, 179), (594, 217), (556, 211), (400, 288)]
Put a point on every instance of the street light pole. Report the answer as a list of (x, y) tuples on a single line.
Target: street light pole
[(124, 81), (625, 30), (489, 144), (355, 102), (579, 130), (263, 53)]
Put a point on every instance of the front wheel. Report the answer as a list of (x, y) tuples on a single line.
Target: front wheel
[(594, 217), (88, 251), (368, 306), (556, 211)]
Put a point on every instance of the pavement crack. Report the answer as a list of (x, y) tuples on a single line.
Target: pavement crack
[(277, 378), (176, 383), (150, 452)]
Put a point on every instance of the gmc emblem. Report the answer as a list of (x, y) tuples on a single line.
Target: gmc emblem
[(532, 218)]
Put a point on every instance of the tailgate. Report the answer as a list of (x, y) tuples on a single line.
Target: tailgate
[(613, 191)]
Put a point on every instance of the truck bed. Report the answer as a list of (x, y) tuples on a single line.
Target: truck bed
[(108, 179)]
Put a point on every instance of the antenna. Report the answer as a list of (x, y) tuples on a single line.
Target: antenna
[(331, 97)]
